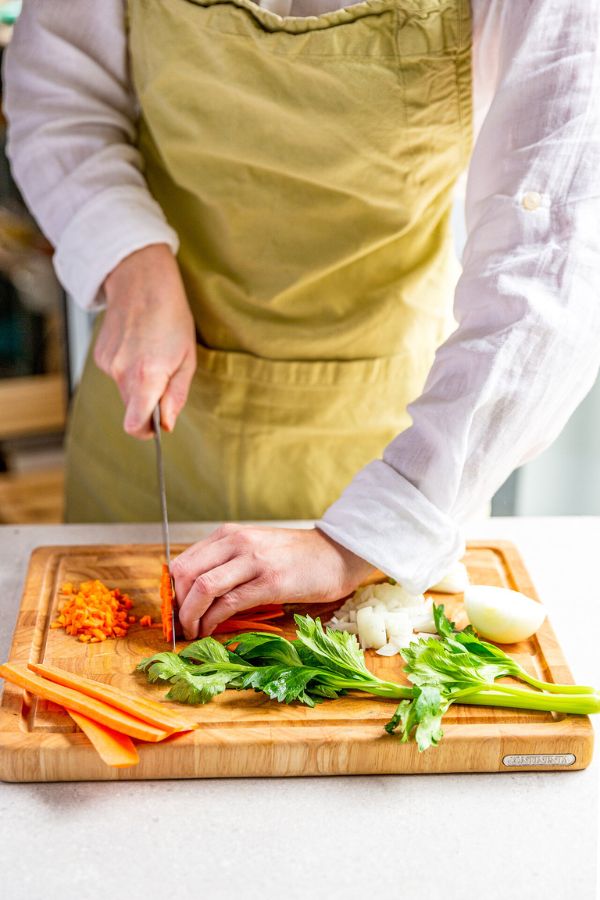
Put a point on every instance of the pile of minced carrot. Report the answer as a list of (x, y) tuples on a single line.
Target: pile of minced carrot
[(92, 612)]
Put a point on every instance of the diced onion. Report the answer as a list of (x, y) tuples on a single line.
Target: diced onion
[(384, 613), (371, 628)]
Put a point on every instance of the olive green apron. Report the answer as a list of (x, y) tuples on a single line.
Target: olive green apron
[(308, 167)]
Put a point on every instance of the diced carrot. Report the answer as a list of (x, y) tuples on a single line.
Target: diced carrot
[(113, 748), (95, 610), (154, 713)]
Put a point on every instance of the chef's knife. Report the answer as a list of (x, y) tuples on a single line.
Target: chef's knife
[(163, 508)]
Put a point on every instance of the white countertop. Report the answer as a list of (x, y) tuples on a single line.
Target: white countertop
[(519, 836)]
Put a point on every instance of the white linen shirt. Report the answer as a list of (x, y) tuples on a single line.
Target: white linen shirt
[(527, 346)]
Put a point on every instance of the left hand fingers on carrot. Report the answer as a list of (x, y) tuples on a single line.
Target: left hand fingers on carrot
[(238, 603), (216, 583)]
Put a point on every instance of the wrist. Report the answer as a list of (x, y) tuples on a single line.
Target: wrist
[(354, 570), (137, 274)]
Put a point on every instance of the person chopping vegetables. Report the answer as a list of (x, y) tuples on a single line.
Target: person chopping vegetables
[(259, 196)]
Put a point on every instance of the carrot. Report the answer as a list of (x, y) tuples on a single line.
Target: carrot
[(113, 748), (87, 706), (252, 619), (166, 606), (266, 607), (93, 612), (233, 624), (252, 616), (148, 710)]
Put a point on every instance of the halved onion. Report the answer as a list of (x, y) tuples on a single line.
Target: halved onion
[(502, 615)]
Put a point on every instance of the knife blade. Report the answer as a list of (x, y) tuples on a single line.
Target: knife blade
[(163, 508)]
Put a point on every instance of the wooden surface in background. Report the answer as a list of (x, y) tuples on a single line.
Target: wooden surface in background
[(244, 733), (35, 497), (32, 405)]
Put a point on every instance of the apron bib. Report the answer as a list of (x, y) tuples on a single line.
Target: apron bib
[(308, 166)]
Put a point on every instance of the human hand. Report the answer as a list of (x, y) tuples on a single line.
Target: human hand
[(147, 342), (241, 566)]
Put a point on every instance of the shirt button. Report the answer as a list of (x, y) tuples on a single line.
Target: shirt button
[(531, 200)]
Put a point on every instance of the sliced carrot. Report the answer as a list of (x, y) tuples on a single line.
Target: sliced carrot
[(265, 607), (88, 706), (233, 624), (113, 748), (140, 707), (166, 606), (251, 616)]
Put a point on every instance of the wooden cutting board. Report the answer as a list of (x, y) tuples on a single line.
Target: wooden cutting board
[(245, 734)]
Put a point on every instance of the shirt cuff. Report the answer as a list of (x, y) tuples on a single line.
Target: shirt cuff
[(108, 228), (386, 521)]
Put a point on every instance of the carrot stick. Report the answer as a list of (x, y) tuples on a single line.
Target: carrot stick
[(265, 607), (261, 617), (166, 606), (232, 625), (140, 707), (113, 748), (87, 706)]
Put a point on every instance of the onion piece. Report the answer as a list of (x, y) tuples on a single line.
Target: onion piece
[(371, 628), (455, 581), (502, 615)]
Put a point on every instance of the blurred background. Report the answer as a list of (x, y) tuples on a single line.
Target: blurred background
[(44, 339)]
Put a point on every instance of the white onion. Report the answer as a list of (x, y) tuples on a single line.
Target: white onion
[(396, 612), (371, 628), (455, 581), (401, 639), (423, 619), (502, 615)]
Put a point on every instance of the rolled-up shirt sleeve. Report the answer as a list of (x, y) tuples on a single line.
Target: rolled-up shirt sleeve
[(71, 139), (527, 346)]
